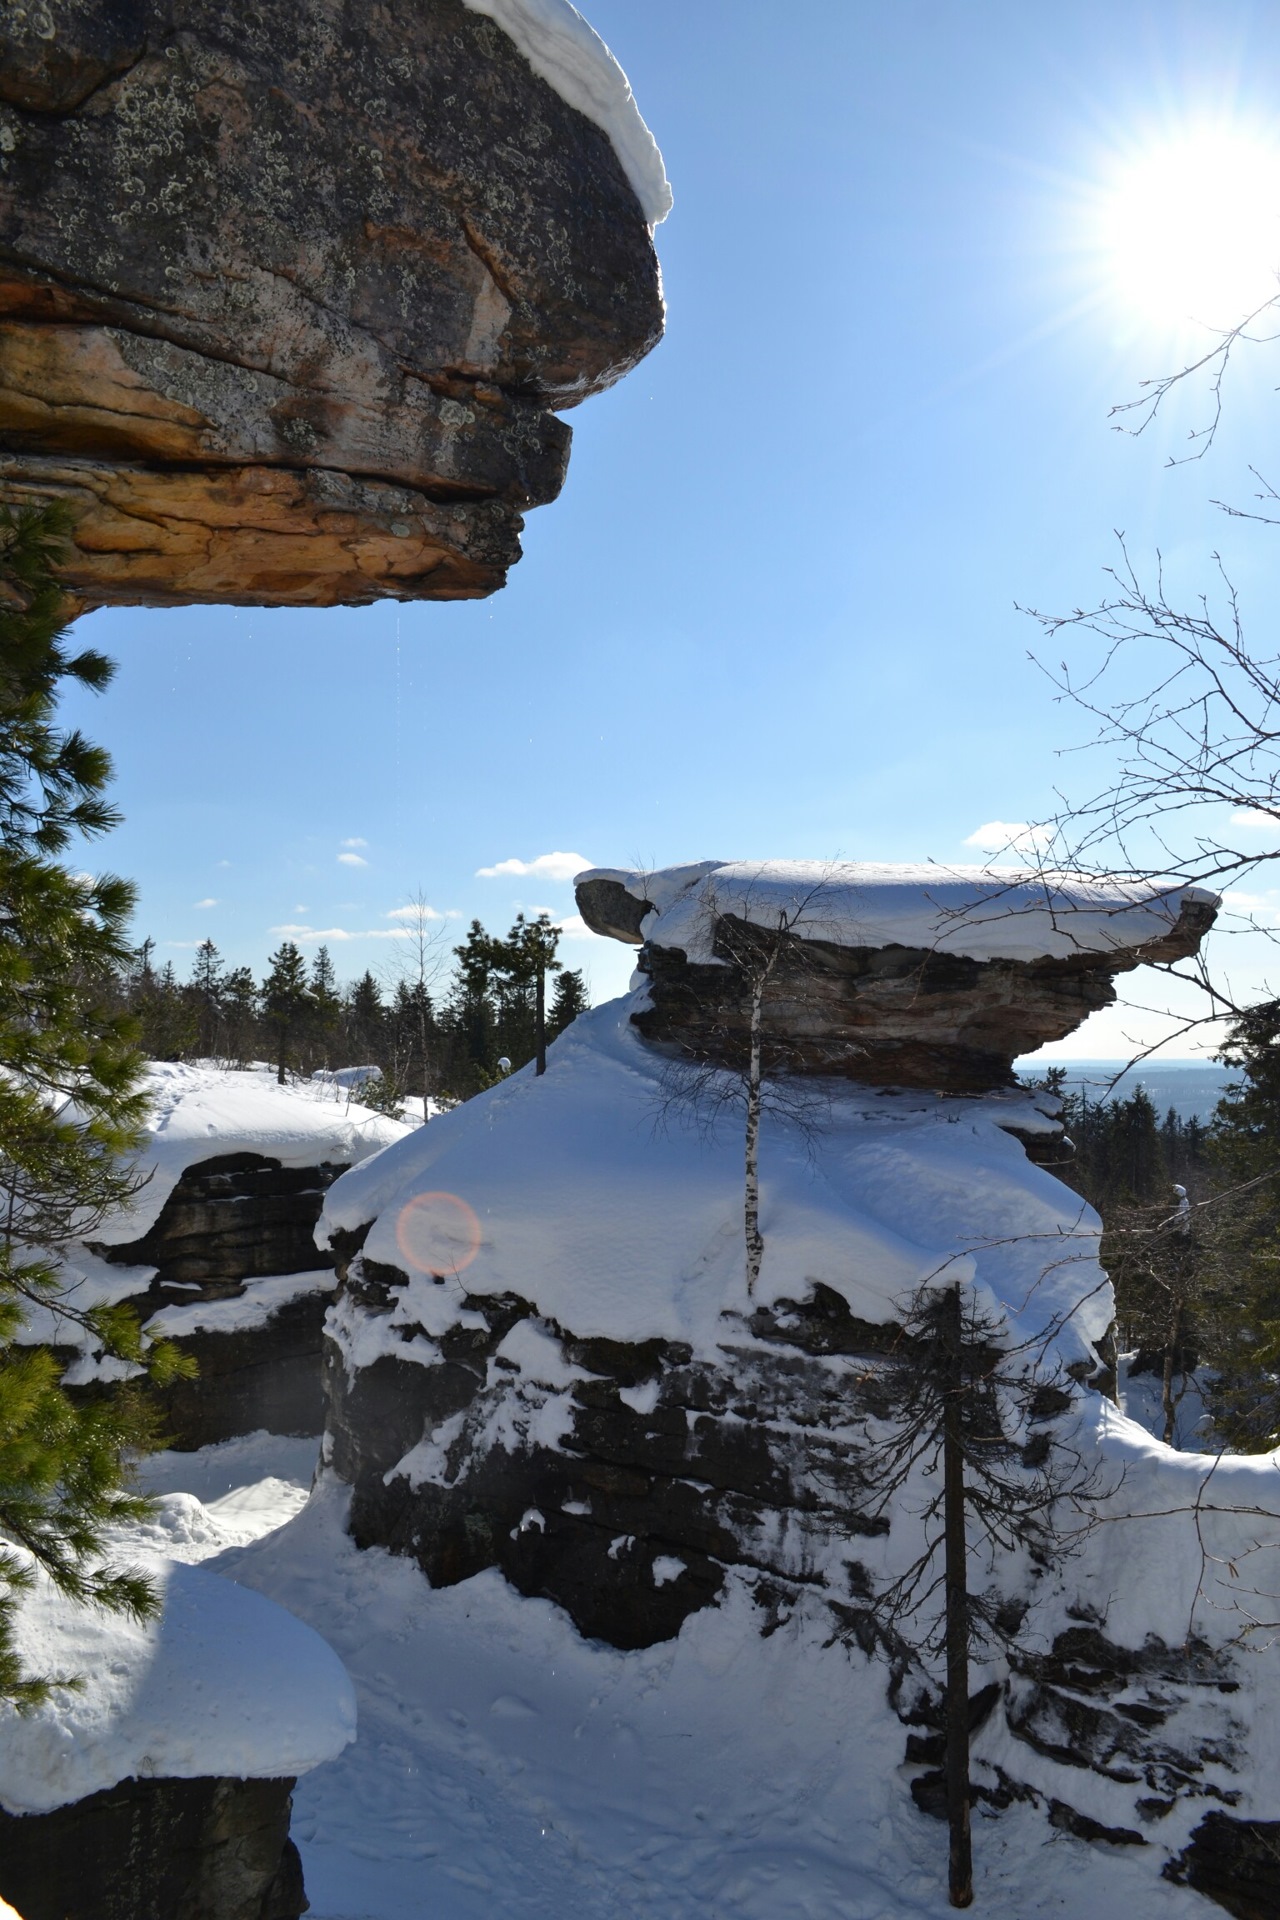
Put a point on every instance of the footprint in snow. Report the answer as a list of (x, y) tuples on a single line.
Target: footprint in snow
[(509, 1706)]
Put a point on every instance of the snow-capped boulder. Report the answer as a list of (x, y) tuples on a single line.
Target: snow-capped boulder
[(920, 976), (217, 1249), (163, 1786), (544, 1357)]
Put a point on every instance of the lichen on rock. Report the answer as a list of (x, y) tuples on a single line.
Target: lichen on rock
[(290, 296)]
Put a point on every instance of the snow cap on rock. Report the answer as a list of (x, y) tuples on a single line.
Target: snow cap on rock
[(983, 913), (566, 51), (220, 1682)]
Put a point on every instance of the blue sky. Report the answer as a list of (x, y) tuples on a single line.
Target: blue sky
[(773, 613)]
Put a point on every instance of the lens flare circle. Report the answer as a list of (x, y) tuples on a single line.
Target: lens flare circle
[(438, 1233)]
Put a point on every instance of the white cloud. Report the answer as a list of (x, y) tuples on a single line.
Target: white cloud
[(1255, 817), (547, 866), (205, 903), (1008, 836), (352, 860), (412, 911), (293, 931), (356, 841), (574, 927), (224, 863)]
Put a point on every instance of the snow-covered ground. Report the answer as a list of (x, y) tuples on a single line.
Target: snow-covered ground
[(505, 1765)]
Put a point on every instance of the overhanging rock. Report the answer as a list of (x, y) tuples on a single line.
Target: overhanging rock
[(911, 976), (290, 295)]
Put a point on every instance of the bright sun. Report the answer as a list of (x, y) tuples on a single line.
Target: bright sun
[(1191, 228)]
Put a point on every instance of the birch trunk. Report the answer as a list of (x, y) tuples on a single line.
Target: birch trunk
[(751, 1182)]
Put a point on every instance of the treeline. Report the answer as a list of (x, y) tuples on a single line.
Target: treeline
[(431, 1031), (1191, 1214)]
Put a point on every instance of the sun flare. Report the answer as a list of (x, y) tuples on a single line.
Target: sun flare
[(1191, 228)]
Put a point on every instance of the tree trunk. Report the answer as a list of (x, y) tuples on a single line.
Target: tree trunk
[(751, 1182), (1172, 1347), (541, 1018), (422, 1048), (957, 1594)]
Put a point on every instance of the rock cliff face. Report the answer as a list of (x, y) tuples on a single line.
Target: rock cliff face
[(229, 1221), (289, 294), (173, 1849)]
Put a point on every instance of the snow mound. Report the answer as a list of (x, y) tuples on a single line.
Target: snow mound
[(200, 1111), (590, 1199), (221, 1682), (985, 913), (566, 51)]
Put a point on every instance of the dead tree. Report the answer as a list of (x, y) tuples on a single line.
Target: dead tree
[(967, 1435), (414, 976)]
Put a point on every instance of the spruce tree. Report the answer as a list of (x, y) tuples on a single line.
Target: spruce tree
[(286, 1002), (208, 984), (71, 1109), (1242, 1232), (366, 1022), (325, 1007), (240, 1012), (569, 1001)]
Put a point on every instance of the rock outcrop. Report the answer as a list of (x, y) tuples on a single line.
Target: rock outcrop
[(290, 296), (545, 1356), (670, 1472), (167, 1849), (230, 1221), (948, 1005)]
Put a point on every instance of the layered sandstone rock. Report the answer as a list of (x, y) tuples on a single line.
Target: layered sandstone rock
[(290, 295), (895, 977)]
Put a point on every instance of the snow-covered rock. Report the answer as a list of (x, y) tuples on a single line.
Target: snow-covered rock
[(220, 1682), (902, 976), (201, 1111), (430, 229), (544, 1359), (983, 913), (217, 1249), (165, 1785), (566, 50)]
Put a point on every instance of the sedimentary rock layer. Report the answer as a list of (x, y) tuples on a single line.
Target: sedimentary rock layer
[(949, 1011), (288, 293)]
